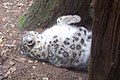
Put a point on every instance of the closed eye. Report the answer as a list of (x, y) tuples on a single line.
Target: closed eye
[(30, 42)]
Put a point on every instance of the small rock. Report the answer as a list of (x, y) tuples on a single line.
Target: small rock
[(0, 33), (80, 78), (43, 63), (14, 41), (7, 3), (20, 4), (26, 66), (21, 52), (31, 74), (34, 67), (1, 63), (8, 31), (12, 25), (10, 34), (7, 10), (36, 61), (30, 3), (30, 61), (45, 78)]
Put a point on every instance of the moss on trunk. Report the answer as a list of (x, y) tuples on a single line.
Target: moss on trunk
[(44, 12)]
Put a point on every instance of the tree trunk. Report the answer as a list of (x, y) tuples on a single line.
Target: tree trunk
[(105, 57), (45, 12)]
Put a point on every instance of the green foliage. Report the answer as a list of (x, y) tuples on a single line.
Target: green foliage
[(21, 21)]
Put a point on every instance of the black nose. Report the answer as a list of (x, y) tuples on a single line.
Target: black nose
[(29, 40)]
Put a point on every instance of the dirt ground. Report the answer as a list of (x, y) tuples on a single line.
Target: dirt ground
[(13, 65)]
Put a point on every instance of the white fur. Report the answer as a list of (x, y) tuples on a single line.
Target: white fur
[(68, 19), (61, 30)]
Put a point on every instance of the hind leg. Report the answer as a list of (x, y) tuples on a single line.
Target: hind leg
[(68, 19)]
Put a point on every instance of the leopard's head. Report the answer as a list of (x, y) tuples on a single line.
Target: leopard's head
[(28, 40)]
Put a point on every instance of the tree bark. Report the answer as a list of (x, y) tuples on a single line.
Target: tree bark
[(45, 12), (105, 52)]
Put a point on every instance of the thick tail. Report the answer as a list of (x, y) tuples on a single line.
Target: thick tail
[(69, 19)]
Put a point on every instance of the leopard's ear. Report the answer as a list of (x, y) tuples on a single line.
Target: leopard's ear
[(68, 19)]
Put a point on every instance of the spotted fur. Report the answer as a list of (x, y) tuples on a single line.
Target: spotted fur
[(62, 45)]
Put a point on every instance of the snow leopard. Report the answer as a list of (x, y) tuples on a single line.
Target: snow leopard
[(62, 45)]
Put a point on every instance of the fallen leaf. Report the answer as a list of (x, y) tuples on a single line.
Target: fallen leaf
[(12, 25), (10, 71), (30, 61), (11, 63), (45, 78), (1, 39)]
